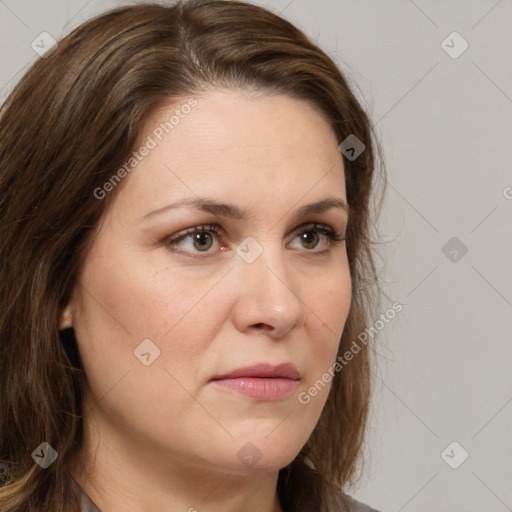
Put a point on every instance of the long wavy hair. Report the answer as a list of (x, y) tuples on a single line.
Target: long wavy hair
[(66, 128)]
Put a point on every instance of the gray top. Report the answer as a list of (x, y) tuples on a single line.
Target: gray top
[(89, 506), (357, 506)]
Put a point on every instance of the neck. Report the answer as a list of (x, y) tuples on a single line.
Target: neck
[(116, 480)]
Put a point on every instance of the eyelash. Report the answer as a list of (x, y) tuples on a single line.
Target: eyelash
[(323, 229)]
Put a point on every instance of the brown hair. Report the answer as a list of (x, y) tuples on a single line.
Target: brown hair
[(68, 125)]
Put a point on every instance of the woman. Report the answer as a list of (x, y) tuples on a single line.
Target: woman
[(185, 263)]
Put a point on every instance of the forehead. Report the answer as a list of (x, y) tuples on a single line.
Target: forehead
[(235, 145)]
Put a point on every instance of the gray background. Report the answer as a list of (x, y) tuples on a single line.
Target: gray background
[(444, 373)]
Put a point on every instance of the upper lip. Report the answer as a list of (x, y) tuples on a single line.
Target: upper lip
[(263, 370)]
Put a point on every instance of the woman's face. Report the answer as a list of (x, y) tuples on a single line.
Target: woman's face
[(157, 319)]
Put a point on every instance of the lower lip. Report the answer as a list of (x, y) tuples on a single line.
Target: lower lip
[(260, 388)]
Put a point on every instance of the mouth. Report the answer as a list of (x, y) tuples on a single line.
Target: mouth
[(262, 382)]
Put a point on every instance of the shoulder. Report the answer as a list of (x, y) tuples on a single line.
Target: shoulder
[(350, 504), (86, 504)]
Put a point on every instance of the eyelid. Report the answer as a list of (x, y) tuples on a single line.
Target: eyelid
[(216, 228), (325, 229), (207, 228)]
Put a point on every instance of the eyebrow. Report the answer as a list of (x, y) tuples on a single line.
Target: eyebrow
[(234, 212)]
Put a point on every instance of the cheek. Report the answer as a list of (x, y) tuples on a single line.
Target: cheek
[(329, 303), (328, 308), (121, 307), (126, 302), (149, 300)]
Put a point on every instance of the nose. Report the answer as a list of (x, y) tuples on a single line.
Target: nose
[(268, 296)]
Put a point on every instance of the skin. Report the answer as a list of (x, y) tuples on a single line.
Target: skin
[(163, 437)]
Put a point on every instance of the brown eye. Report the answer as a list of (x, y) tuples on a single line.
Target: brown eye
[(202, 241), (311, 237), (202, 238)]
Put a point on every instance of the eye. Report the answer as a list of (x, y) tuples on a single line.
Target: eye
[(202, 238), (311, 236)]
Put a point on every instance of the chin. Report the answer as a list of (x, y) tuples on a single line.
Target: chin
[(263, 466), (258, 453)]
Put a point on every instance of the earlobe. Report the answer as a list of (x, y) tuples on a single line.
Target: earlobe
[(66, 318)]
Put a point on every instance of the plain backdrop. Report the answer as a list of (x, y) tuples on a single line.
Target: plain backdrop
[(443, 112)]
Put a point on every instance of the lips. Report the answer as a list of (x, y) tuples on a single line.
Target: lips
[(261, 382), (263, 371)]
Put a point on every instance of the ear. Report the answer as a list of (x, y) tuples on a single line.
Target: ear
[(66, 318)]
